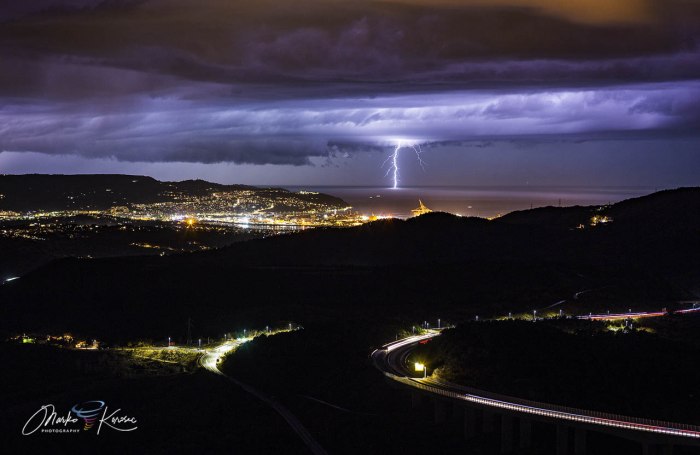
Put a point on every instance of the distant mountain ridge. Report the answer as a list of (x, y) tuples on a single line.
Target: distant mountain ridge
[(650, 253), (536, 234), (681, 205), (32, 192)]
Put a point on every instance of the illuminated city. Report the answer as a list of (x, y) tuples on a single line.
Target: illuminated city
[(411, 227)]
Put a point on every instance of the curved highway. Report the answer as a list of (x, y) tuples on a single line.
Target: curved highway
[(639, 315), (212, 358), (391, 359)]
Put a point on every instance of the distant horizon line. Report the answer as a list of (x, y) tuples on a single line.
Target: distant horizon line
[(296, 185)]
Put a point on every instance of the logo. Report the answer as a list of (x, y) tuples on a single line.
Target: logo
[(92, 413), (88, 411)]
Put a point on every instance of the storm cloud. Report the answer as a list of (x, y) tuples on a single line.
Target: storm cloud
[(268, 82)]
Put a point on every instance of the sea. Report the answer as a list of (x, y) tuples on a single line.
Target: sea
[(482, 201)]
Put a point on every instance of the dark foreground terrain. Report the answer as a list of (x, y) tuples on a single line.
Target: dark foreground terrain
[(176, 413), (579, 364), (423, 268), (352, 290)]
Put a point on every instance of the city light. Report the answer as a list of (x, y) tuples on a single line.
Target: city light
[(243, 207)]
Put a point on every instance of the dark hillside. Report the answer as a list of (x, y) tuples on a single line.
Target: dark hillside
[(436, 263)]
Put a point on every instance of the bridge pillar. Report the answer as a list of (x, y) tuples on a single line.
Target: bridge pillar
[(580, 441), (489, 424), (649, 449), (562, 439), (657, 449), (440, 411), (416, 400), (525, 433), (469, 423), (457, 410), (506, 434)]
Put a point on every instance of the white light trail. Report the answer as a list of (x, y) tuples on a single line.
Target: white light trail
[(394, 157)]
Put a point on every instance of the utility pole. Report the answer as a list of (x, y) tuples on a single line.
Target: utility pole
[(189, 331)]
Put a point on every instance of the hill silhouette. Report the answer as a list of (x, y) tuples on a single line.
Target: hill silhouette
[(34, 192), (668, 209), (436, 263)]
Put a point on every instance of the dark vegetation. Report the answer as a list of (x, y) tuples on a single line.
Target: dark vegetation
[(434, 265), (578, 364), (354, 289), (179, 413), (664, 208), (324, 375), (30, 246)]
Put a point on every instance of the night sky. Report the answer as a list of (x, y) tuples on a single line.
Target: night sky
[(497, 92)]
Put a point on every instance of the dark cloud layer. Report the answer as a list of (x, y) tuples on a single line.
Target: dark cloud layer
[(269, 82)]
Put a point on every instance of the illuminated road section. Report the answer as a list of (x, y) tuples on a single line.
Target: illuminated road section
[(622, 316), (212, 358), (391, 360), (637, 315)]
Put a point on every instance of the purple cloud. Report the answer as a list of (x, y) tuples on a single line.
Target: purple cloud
[(265, 82), (291, 132)]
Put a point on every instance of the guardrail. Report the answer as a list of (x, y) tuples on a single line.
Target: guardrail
[(512, 404)]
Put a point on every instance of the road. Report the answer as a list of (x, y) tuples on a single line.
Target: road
[(636, 315), (623, 316), (211, 360), (391, 359)]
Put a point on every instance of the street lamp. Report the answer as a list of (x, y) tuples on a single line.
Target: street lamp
[(421, 367), (438, 323), (200, 343), (534, 315), (168, 341)]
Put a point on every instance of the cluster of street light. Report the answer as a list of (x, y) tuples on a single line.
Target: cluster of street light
[(483, 398)]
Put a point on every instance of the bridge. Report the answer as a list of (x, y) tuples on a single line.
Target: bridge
[(474, 405)]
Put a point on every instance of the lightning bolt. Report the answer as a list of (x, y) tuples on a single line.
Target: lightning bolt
[(419, 151), (394, 158)]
